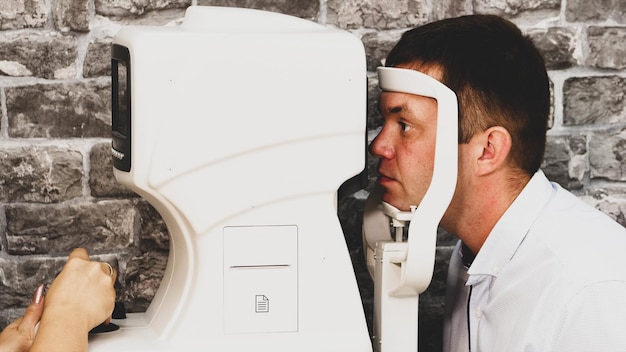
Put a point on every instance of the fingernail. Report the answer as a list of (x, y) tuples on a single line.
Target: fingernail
[(38, 294)]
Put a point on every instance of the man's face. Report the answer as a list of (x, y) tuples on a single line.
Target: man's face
[(406, 147)]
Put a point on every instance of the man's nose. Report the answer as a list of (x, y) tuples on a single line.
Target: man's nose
[(380, 146)]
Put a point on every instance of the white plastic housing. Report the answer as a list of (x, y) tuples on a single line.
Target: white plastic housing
[(244, 125)]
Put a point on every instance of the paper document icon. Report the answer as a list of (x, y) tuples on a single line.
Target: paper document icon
[(262, 304)]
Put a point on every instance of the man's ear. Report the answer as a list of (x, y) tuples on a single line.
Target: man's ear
[(496, 144)]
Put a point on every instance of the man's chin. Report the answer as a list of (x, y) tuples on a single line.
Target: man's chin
[(389, 199)]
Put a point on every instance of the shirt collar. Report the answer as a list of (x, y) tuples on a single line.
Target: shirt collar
[(509, 232)]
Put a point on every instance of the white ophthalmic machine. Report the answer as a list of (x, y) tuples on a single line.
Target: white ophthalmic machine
[(239, 126)]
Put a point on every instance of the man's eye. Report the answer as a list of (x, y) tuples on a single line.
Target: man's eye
[(404, 126)]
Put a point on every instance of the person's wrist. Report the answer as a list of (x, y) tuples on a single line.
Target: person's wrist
[(67, 316)]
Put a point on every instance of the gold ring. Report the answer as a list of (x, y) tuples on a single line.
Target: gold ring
[(110, 269)]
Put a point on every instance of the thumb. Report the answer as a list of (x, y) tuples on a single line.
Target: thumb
[(33, 313)]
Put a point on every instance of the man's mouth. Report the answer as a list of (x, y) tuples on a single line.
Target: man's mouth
[(382, 178)]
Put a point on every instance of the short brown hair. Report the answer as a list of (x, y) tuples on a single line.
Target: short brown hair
[(497, 73)]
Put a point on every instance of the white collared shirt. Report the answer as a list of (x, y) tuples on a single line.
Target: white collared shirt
[(551, 276)]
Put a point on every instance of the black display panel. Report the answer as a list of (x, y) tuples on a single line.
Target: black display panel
[(121, 109)]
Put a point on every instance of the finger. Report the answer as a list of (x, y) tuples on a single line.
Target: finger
[(114, 277), (33, 313), (31, 317), (80, 253)]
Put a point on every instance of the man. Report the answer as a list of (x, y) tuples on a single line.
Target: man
[(536, 269)]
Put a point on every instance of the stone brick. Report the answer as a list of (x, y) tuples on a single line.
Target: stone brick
[(40, 229), (98, 59), (19, 279), (594, 100), (101, 179), (557, 46), (449, 8), (595, 10), (18, 14), (377, 47), (611, 202), (607, 155), (71, 15), (136, 7), (375, 122), (378, 14), (607, 47), (507, 8), (40, 174), (13, 68), (565, 160), (153, 233), (374, 118), (308, 9), (143, 276), (44, 54), (65, 110)]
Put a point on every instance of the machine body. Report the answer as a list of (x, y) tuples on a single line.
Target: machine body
[(239, 126)]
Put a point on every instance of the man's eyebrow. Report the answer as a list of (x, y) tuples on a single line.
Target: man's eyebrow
[(395, 109)]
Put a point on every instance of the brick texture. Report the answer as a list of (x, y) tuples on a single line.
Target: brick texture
[(45, 54), (19, 14), (59, 110), (57, 189), (47, 174)]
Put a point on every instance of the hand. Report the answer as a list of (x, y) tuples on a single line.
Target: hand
[(81, 297), (19, 335), (83, 290)]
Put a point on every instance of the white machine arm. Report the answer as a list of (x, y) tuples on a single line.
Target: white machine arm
[(403, 269)]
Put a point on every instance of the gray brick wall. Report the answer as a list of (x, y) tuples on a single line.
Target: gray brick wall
[(57, 190)]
